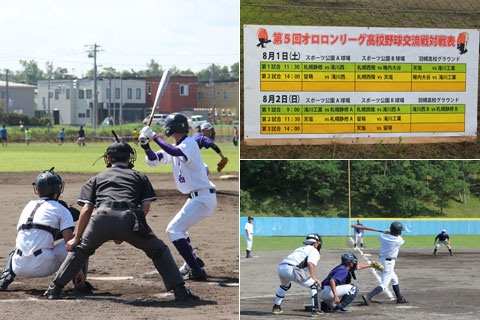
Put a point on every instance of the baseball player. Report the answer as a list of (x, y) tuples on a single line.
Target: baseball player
[(337, 290), (204, 139), (115, 203), (443, 238), (3, 134), (358, 235), (390, 243), (81, 137), (249, 235), (299, 266), (191, 178), (41, 222)]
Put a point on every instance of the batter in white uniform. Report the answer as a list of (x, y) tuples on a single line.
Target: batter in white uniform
[(299, 266), (41, 222), (390, 243), (249, 235), (191, 178)]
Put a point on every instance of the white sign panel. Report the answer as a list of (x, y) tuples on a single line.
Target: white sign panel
[(339, 82)]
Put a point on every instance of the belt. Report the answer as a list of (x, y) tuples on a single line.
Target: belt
[(194, 194), (35, 253), (117, 205), (390, 259)]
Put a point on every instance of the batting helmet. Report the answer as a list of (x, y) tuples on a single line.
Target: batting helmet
[(312, 238), (48, 183), (119, 151), (176, 123), (396, 228), (250, 217)]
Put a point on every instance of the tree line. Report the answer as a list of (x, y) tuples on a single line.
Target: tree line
[(31, 73), (395, 188)]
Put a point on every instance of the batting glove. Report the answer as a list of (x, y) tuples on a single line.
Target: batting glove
[(148, 132), (143, 139)]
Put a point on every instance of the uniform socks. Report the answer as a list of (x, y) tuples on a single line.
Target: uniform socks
[(434, 251), (375, 291), (396, 289), (185, 250)]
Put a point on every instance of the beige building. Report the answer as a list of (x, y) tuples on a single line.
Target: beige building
[(224, 95)]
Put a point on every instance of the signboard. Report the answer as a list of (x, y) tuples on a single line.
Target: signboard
[(354, 84)]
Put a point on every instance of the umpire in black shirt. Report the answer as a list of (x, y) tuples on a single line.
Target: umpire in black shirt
[(115, 203)]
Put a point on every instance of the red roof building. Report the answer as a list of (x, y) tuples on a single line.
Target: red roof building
[(180, 95)]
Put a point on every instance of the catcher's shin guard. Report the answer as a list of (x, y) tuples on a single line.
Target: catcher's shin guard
[(314, 289), (8, 275), (281, 293), (349, 297)]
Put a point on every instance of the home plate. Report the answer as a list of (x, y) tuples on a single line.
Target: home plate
[(110, 278), (225, 284), (228, 177)]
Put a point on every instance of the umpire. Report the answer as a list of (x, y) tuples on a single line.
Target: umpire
[(115, 203)]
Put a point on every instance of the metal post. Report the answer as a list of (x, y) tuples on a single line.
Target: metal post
[(95, 97), (349, 202), (110, 96), (48, 97), (214, 94), (120, 117)]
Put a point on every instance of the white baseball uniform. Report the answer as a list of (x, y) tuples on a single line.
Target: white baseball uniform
[(27, 261), (191, 178), (389, 247), (287, 270), (249, 237)]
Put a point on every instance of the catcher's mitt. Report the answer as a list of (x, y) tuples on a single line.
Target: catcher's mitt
[(377, 265), (222, 164)]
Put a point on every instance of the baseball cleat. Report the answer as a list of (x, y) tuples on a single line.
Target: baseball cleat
[(317, 313), (53, 292), (276, 309), (366, 300), (4, 284), (402, 300), (196, 275), (185, 269), (342, 310), (183, 294)]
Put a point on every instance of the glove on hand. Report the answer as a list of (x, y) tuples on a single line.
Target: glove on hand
[(222, 164), (148, 132), (377, 265)]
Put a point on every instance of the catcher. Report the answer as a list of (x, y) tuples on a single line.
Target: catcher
[(443, 238), (337, 290), (205, 138)]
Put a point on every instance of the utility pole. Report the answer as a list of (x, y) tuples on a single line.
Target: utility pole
[(110, 96), (214, 94), (48, 96), (7, 103), (92, 53)]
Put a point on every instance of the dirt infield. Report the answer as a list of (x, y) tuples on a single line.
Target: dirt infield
[(435, 287), (142, 297)]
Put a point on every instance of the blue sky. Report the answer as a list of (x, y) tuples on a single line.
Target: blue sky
[(190, 34)]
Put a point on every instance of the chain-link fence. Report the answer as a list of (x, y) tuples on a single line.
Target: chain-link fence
[(445, 14)]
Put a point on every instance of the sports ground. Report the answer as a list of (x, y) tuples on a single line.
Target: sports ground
[(441, 286)]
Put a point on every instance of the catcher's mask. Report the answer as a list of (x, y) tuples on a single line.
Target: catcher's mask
[(312, 238), (176, 123), (396, 228), (348, 258), (48, 183), (119, 151)]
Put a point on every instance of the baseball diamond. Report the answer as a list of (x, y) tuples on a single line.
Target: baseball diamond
[(143, 296)]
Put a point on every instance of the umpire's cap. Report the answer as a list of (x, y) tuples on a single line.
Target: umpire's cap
[(119, 151), (48, 183), (176, 123), (396, 228)]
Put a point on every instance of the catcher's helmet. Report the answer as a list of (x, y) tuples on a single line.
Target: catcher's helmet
[(312, 238), (396, 228), (48, 183), (119, 151), (347, 258), (176, 123)]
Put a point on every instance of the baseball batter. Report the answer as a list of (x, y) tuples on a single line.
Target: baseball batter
[(299, 267), (41, 222), (249, 236), (443, 238), (358, 235), (390, 243), (190, 178), (115, 204), (338, 291)]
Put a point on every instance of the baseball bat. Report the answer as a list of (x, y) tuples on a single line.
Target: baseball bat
[(356, 226), (161, 89)]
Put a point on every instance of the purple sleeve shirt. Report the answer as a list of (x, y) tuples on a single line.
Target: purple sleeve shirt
[(338, 274), (202, 140)]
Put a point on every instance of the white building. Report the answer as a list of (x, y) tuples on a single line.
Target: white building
[(21, 98), (71, 100)]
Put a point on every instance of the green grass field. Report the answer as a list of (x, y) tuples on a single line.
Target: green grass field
[(291, 243), (18, 157)]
